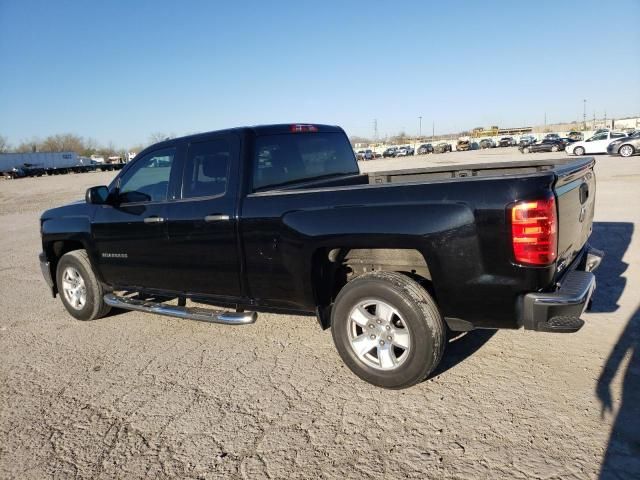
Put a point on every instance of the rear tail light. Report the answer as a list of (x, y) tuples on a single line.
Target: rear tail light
[(534, 231), (300, 128)]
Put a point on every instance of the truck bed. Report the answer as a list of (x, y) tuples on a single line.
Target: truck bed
[(445, 172)]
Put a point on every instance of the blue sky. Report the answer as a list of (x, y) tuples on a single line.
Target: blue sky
[(121, 70)]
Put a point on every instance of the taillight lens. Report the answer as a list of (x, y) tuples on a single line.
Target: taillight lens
[(534, 231), (300, 128)]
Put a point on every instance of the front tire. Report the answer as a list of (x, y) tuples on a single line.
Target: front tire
[(579, 151), (80, 290), (626, 151), (525, 150), (388, 330), (554, 149)]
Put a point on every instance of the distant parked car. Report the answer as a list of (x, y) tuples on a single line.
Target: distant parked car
[(625, 146), (487, 143), (546, 145), (360, 155), (576, 136), (425, 148), (596, 144), (442, 148), (404, 151), (527, 140), (567, 141), (390, 152), (368, 155), (401, 152), (507, 142), (463, 145)]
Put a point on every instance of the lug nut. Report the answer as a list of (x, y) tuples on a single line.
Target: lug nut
[(371, 325), (381, 342), (372, 337), (389, 338), (379, 321), (388, 327)]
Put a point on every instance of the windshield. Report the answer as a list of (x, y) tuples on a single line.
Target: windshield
[(290, 158)]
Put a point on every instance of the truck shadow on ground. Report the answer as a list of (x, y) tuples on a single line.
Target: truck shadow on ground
[(460, 348), (613, 238), (622, 458)]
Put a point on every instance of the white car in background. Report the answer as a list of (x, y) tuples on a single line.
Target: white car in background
[(596, 144)]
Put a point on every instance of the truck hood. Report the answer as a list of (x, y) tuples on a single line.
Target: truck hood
[(78, 208)]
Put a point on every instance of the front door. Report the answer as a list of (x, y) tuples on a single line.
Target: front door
[(130, 233), (202, 224)]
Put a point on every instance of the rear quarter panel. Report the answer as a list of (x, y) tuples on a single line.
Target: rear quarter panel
[(460, 226)]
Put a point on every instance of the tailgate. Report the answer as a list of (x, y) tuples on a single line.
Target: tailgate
[(575, 190)]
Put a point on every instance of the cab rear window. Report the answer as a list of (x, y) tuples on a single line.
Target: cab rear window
[(285, 159)]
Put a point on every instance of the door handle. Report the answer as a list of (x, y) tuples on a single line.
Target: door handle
[(154, 219), (216, 218)]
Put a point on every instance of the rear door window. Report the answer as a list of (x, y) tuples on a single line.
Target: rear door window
[(206, 170)]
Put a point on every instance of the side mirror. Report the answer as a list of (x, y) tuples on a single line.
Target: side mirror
[(97, 195)]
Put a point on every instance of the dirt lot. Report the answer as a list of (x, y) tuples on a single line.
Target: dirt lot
[(134, 395)]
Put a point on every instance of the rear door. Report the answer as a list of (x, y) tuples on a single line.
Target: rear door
[(576, 193), (203, 247)]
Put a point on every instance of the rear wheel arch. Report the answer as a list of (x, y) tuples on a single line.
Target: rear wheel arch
[(333, 268)]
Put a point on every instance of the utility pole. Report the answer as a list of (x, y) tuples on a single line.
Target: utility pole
[(419, 130), (375, 129), (433, 131), (584, 114), (545, 120)]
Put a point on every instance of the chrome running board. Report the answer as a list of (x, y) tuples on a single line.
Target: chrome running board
[(191, 313)]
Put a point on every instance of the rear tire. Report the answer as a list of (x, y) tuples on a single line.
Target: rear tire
[(626, 151), (410, 334), (525, 150), (554, 149), (80, 290), (579, 151)]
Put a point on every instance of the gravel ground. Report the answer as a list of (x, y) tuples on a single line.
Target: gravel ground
[(135, 395)]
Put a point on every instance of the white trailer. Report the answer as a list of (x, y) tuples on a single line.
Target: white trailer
[(40, 163)]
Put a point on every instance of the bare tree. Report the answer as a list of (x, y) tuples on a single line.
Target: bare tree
[(356, 139), (4, 144), (28, 146), (159, 137), (63, 142), (136, 148), (401, 137)]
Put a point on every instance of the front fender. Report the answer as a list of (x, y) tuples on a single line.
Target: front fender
[(62, 234)]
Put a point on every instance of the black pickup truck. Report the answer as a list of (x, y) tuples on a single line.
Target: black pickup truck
[(279, 219)]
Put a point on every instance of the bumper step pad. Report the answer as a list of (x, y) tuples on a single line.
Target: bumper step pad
[(561, 324), (560, 311)]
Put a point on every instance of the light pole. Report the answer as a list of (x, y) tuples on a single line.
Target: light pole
[(433, 131), (584, 114), (419, 129)]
